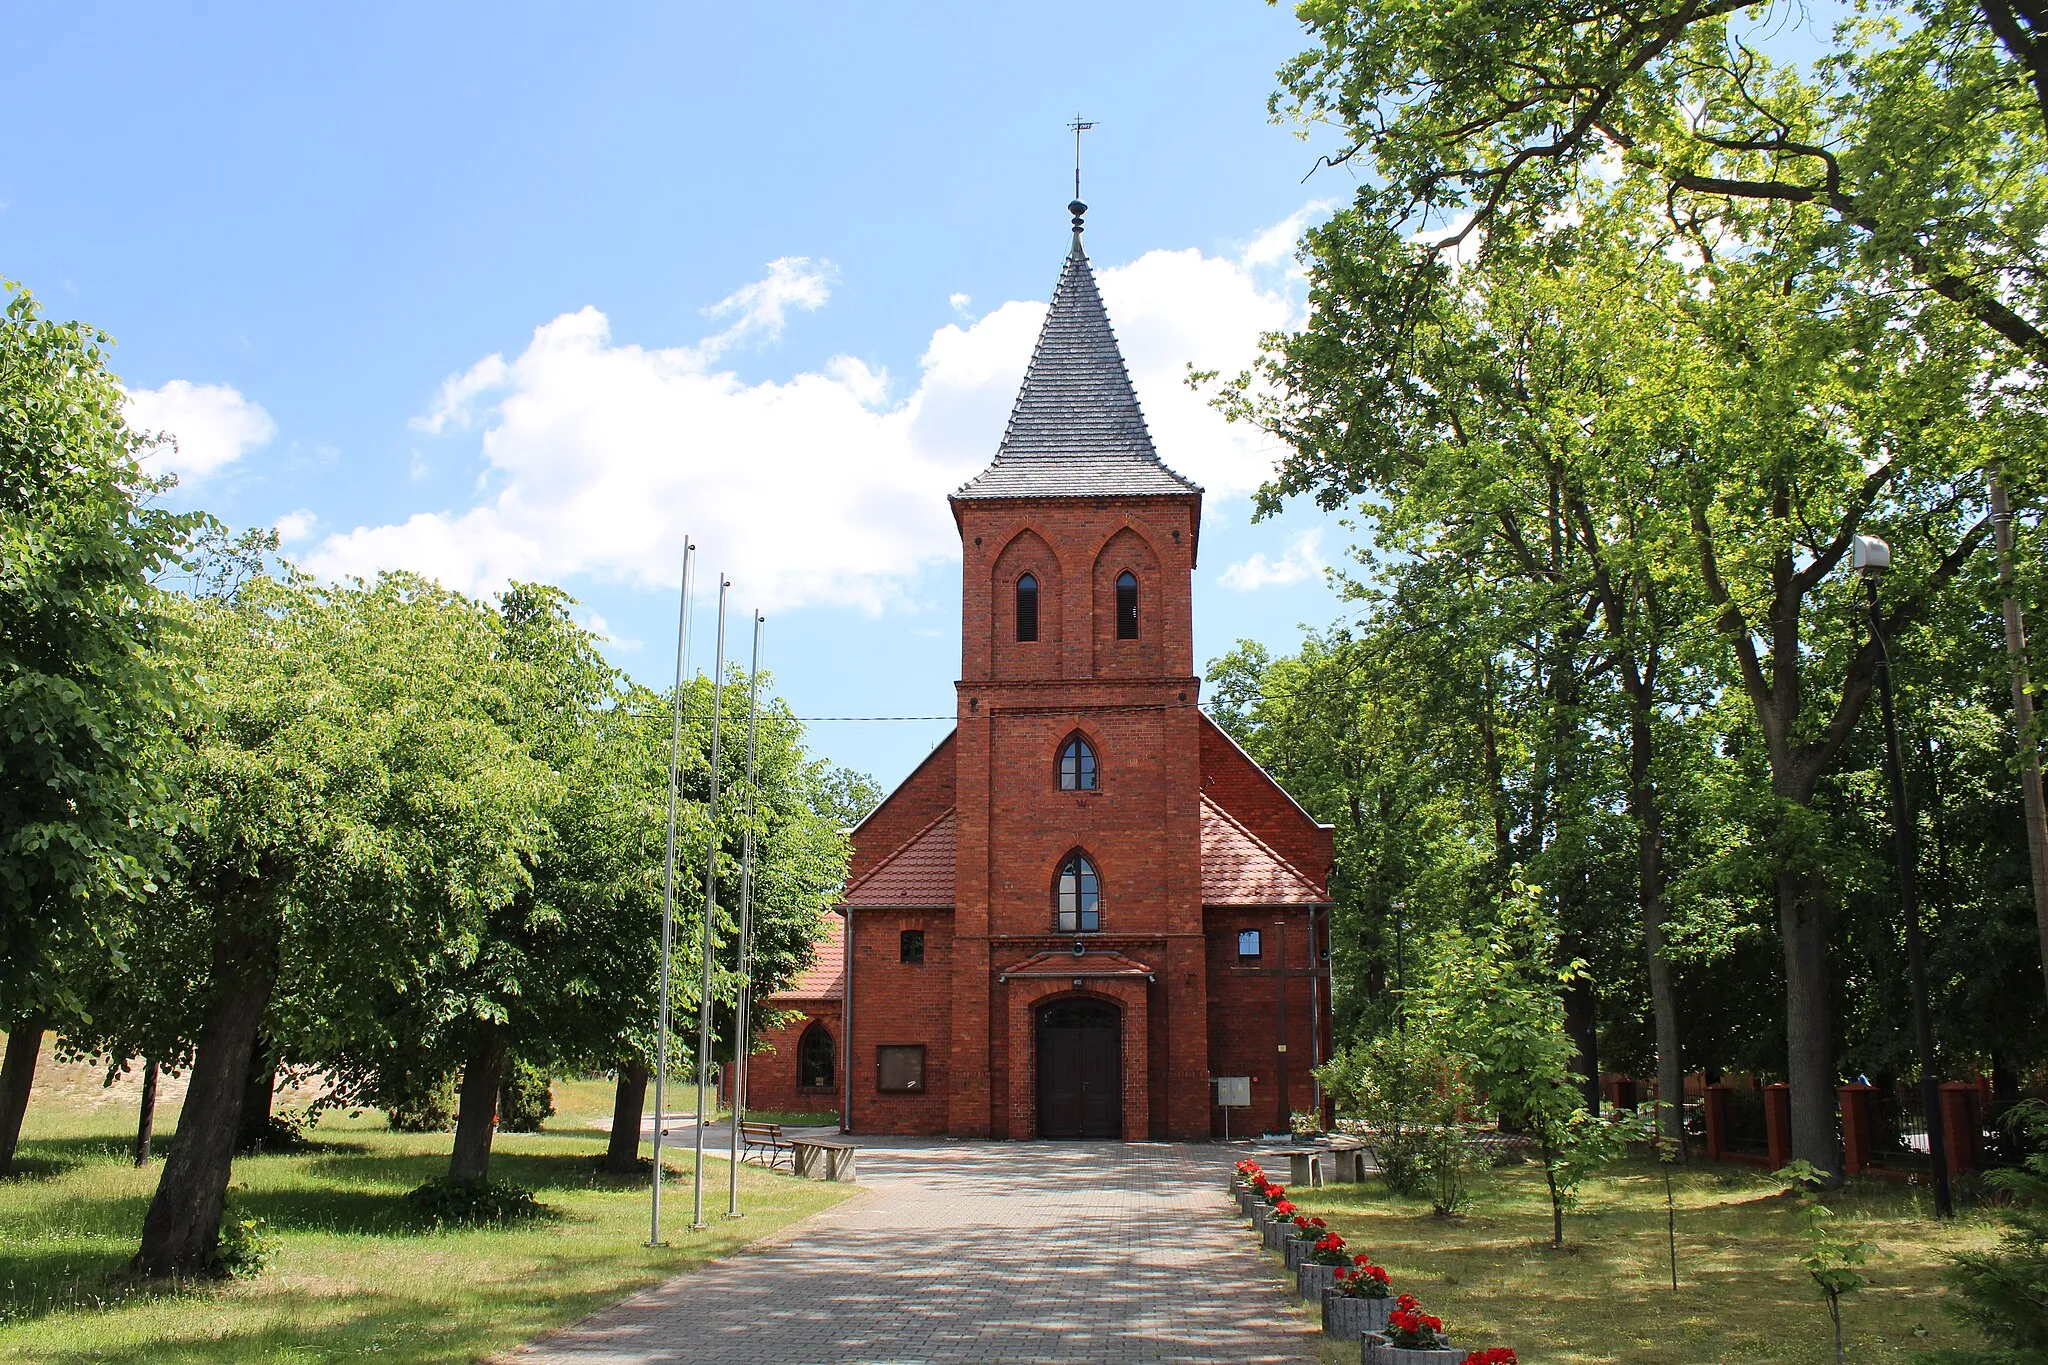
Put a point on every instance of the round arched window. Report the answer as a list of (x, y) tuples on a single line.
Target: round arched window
[(1079, 896), (1077, 765)]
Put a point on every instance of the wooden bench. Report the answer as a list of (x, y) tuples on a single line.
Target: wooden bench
[(819, 1160), (765, 1143)]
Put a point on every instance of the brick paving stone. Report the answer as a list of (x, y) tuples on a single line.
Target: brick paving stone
[(978, 1252)]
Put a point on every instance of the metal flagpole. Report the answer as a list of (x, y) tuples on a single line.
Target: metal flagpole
[(739, 1047), (710, 905), (668, 893)]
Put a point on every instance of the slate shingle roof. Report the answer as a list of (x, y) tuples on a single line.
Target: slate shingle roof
[(1239, 868), (1077, 430), (919, 872)]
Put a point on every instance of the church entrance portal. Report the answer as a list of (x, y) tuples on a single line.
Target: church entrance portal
[(1080, 1070)]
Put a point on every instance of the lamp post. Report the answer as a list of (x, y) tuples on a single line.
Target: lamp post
[(1871, 557)]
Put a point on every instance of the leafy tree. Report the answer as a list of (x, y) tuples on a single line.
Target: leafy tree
[(1831, 1263), (1496, 1003), (355, 813), (85, 691)]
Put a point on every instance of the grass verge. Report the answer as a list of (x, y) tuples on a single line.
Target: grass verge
[(356, 1275), (1742, 1296)]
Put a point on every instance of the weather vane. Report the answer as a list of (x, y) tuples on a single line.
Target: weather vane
[(1077, 208)]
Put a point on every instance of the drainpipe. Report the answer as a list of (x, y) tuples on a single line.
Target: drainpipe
[(846, 1030)]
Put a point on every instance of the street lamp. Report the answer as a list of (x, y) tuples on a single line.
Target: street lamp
[(1871, 557)]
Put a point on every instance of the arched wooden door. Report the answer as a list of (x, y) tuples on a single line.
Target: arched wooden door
[(1080, 1070)]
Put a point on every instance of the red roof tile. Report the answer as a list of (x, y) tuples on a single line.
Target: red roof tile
[(1239, 868), (826, 980), (920, 872)]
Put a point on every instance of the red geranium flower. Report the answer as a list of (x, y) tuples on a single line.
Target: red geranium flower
[(1492, 1355)]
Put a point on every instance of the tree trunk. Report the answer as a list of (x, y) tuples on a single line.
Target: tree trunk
[(24, 1043), (182, 1227), (145, 1123), (1809, 1047), (252, 1134), (477, 1120), (629, 1101), (1646, 812), (2031, 802), (1582, 1025)]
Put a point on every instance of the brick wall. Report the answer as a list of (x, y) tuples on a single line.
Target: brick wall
[(772, 1068), (917, 801), (1244, 1031), (900, 1004), (1259, 803)]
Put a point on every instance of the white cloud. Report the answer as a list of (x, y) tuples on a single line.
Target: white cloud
[(961, 304), (763, 306), (295, 526), (1303, 560), (458, 392), (212, 424), (815, 489)]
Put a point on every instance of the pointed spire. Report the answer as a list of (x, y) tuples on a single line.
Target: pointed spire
[(1077, 430)]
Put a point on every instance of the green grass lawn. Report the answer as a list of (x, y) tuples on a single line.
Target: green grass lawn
[(1742, 1296), (353, 1277)]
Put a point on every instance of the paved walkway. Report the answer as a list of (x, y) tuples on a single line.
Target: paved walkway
[(979, 1251)]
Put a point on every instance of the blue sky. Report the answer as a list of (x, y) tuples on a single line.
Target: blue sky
[(428, 286)]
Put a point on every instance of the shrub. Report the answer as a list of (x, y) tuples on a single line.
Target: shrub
[(462, 1203), (271, 1133), (245, 1248), (2004, 1293), (417, 1102), (1413, 1100), (525, 1098)]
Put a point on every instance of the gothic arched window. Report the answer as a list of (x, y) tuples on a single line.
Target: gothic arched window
[(1126, 605), (815, 1056), (1027, 608), (1077, 765), (1079, 897)]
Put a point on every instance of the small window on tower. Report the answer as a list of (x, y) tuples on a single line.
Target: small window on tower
[(1247, 944), (1079, 897), (910, 946), (1127, 605), (1077, 766), (1027, 608)]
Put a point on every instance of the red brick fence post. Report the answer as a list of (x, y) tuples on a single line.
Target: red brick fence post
[(1778, 1123), (1717, 1122), (1855, 1097)]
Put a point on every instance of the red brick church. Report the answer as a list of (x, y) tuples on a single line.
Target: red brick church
[(1087, 904)]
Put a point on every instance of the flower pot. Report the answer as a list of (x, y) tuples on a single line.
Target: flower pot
[(1375, 1349), (1296, 1250), (1312, 1278), (1349, 1318), (1278, 1233)]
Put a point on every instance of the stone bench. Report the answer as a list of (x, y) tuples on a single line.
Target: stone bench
[(817, 1160)]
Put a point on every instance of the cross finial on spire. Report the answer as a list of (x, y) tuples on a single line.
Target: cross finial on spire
[(1077, 208)]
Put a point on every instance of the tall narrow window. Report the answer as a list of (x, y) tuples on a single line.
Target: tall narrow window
[(1080, 896), (1077, 766), (1027, 608), (1127, 605), (815, 1055)]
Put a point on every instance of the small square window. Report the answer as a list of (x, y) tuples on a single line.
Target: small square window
[(910, 946), (1247, 943), (899, 1070)]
